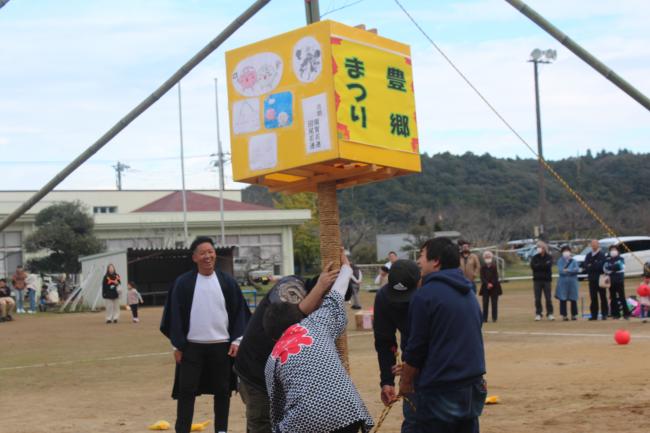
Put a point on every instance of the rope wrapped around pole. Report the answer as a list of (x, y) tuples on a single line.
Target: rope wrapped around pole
[(330, 246)]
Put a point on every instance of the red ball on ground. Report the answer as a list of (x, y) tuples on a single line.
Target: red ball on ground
[(622, 336)]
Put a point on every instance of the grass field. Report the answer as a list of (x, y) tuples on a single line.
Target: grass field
[(73, 373)]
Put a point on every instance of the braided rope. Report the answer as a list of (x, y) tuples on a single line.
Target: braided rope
[(330, 246)]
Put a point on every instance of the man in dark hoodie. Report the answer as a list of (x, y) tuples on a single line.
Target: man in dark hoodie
[(444, 360)]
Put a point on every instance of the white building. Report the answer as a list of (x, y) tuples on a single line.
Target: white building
[(154, 218)]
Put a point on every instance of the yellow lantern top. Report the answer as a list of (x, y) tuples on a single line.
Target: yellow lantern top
[(321, 103)]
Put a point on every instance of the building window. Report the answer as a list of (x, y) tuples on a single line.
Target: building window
[(104, 209), (261, 251)]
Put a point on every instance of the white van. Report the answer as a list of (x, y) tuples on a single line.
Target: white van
[(639, 245)]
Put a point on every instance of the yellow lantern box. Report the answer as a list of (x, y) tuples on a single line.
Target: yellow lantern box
[(326, 102)]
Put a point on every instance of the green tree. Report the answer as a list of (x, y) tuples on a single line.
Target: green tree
[(65, 231), (306, 242)]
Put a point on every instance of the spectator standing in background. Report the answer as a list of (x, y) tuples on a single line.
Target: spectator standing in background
[(31, 283), (490, 286), (382, 277), (567, 284), (542, 266), (18, 282), (469, 262), (614, 266), (111, 294), (593, 266)]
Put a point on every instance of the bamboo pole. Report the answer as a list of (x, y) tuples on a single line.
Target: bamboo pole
[(585, 55), (135, 112)]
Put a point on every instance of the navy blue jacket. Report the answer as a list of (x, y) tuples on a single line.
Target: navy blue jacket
[(593, 264), (445, 340), (175, 322)]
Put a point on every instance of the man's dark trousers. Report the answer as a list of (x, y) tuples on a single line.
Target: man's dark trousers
[(596, 292), (454, 410), (258, 419), (196, 358)]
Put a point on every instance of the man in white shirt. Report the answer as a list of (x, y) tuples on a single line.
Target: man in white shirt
[(204, 317), (382, 277)]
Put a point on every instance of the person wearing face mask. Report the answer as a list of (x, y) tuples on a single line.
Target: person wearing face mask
[(567, 284), (593, 266), (542, 266), (614, 267), (490, 286)]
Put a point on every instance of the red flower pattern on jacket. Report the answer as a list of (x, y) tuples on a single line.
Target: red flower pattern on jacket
[(291, 342)]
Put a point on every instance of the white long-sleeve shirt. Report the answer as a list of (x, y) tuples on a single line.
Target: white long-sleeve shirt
[(209, 317), (342, 281)]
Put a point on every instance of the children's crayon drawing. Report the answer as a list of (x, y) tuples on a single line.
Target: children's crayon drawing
[(258, 74), (307, 59)]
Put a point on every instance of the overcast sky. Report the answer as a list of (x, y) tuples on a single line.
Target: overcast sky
[(69, 70)]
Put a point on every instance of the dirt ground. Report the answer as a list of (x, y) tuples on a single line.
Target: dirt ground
[(73, 373)]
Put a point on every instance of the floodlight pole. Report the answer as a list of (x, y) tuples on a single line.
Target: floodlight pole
[(135, 112), (328, 212), (540, 156)]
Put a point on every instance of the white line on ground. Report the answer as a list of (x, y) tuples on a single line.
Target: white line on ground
[(559, 334), (351, 335), (110, 358)]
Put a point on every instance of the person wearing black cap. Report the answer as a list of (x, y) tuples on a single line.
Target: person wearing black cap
[(204, 317), (391, 315)]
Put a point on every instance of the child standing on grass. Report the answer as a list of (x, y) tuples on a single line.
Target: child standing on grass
[(133, 298)]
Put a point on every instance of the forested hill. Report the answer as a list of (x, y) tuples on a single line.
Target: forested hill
[(493, 198)]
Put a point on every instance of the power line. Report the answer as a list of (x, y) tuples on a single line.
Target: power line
[(103, 161), (345, 6), (542, 161)]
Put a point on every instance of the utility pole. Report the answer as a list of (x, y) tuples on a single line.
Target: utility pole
[(134, 113), (220, 162), (119, 168), (535, 59), (183, 196)]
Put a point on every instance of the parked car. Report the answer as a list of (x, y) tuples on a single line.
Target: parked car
[(639, 245)]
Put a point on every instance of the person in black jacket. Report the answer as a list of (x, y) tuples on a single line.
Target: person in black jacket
[(542, 266), (391, 315), (614, 267), (490, 286), (593, 266), (294, 298), (111, 293), (204, 317)]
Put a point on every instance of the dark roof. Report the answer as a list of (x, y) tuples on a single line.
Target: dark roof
[(197, 203)]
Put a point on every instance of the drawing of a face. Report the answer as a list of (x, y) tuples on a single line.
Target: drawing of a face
[(266, 75), (283, 119), (247, 78)]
